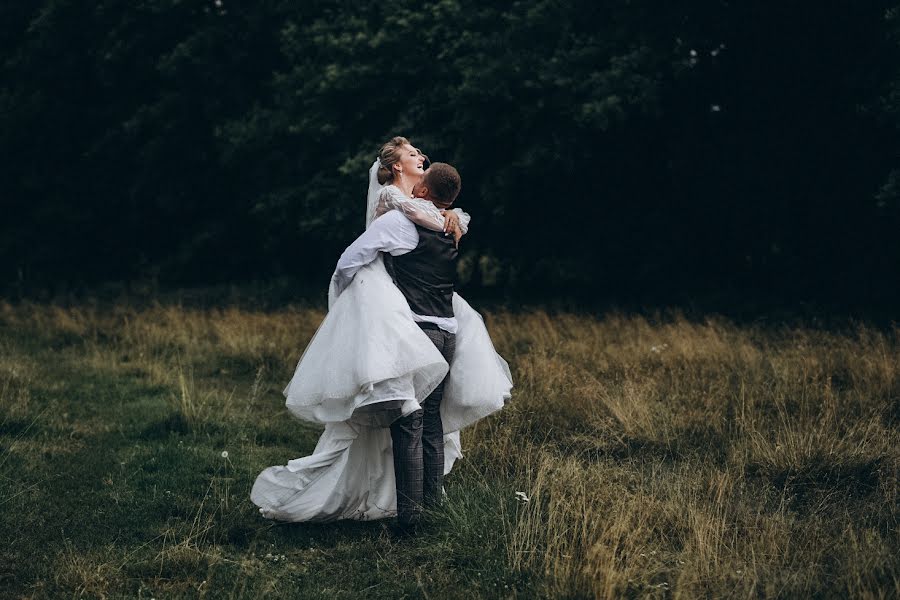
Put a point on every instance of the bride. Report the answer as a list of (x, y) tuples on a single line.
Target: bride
[(368, 364)]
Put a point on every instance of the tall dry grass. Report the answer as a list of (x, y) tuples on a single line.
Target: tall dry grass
[(701, 459), (662, 457)]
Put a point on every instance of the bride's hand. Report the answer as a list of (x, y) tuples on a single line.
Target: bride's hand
[(457, 234), (451, 225), (451, 221)]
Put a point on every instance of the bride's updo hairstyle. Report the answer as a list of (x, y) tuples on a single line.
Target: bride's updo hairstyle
[(390, 156)]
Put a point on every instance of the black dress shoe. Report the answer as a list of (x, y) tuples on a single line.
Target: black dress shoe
[(403, 530)]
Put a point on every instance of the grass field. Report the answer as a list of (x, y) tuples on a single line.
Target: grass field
[(661, 458)]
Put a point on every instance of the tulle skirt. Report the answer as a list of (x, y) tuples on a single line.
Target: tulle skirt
[(368, 364)]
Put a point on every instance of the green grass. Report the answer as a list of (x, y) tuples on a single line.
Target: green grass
[(661, 458)]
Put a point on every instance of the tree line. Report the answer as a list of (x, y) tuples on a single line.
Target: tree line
[(608, 148)]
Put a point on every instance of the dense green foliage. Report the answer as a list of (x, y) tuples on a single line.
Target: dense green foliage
[(620, 147)]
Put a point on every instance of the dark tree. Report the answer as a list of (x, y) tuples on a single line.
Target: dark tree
[(616, 150)]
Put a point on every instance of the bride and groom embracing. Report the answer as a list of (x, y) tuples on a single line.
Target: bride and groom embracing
[(399, 365)]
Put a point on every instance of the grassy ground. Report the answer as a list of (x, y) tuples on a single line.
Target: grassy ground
[(661, 458)]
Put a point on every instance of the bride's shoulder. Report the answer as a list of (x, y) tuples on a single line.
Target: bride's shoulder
[(392, 193)]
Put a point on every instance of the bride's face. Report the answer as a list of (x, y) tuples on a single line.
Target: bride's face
[(412, 163)]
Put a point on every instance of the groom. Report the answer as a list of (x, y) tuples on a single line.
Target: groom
[(423, 265)]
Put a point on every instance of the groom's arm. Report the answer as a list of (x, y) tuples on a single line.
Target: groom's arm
[(391, 232)]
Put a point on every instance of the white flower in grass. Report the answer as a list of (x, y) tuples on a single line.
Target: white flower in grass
[(224, 453), (522, 497)]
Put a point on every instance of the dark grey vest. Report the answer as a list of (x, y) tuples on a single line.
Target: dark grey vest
[(427, 275)]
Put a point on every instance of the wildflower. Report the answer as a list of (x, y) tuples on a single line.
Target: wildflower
[(715, 108), (224, 453), (693, 52), (522, 497)]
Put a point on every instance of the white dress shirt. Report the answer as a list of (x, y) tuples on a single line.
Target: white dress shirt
[(395, 234)]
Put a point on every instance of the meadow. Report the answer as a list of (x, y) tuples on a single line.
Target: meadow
[(642, 456)]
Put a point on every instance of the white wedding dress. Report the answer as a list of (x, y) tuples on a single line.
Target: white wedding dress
[(368, 364)]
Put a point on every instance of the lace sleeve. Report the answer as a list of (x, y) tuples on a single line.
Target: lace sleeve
[(421, 212)]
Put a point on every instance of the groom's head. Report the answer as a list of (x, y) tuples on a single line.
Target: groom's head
[(440, 184)]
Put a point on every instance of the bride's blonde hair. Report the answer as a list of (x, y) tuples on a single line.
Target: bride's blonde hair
[(390, 156)]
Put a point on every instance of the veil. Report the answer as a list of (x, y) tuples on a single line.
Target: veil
[(371, 204), (374, 189)]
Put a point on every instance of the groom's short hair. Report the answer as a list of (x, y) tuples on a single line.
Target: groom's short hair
[(443, 183)]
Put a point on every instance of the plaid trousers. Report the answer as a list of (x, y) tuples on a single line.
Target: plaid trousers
[(418, 443)]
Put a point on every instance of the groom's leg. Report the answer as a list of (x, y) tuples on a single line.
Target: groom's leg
[(406, 439), (432, 426)]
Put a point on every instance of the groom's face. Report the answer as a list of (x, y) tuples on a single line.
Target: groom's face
[(419, 190)]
